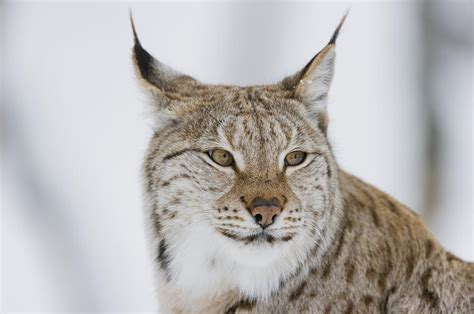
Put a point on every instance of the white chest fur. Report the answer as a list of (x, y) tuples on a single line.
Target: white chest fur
[(205, 264)]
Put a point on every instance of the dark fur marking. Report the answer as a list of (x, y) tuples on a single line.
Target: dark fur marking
[(429, 246), (384, 305), (334, 36), (350, 307), (451, 257), (211, 189), (371, 273), (310, 163), (230, 225), (233, 218), (350, 270), (349, 227), (164, 259), (156, 221), (371, 207), (270, 238), (282, 283), (185, 168), (328, 170), (298, 291), (392, 206), (411, 262), (367, 299), (328, 309), (176, 177), (143, 58), (178, 153), (287, 238), (150, 168), (328, 166), (249, 239), (428, 295), (228, 234), (375, 217), (243, 305), (326, 271)]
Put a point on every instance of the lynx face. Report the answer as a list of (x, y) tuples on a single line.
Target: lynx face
[(238, 177), (258, 131)]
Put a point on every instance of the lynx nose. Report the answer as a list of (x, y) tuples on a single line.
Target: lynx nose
[(265, 211)]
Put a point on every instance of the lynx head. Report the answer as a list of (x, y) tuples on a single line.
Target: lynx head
[(239, 175)]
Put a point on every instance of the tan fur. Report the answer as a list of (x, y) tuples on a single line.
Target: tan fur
[(382, 260), (339, 245)]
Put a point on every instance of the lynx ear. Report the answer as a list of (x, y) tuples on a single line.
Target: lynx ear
[(166, 85), (311, 84)]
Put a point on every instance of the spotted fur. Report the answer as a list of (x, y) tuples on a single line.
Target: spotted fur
[(339, 245)]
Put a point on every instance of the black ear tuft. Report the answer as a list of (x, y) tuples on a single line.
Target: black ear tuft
[(333, 39), (143, 59), (135, 36)]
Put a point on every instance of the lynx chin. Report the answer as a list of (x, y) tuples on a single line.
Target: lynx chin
[(248, 211)]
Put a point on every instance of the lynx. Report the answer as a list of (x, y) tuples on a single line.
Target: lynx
[(248, 211)]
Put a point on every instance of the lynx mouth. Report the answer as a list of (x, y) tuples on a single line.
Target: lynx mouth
[(257, 238)]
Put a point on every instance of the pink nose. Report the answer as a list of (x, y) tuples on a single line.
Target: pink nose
[(265, 215)]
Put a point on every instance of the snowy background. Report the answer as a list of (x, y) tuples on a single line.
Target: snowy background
[(74, 127)]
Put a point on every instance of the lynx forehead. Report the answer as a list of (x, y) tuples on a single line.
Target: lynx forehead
[(248, 210)]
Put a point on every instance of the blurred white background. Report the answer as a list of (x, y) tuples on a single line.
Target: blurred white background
[(74, 124)]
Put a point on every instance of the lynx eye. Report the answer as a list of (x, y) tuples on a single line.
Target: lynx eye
[(221, 157), (295, 158)]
